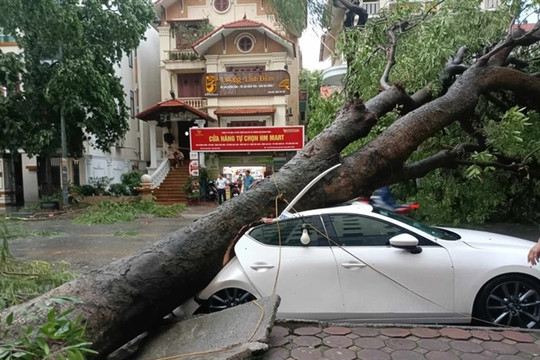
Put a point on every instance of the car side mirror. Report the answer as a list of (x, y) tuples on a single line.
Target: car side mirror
[(305, 239), (407, 242)]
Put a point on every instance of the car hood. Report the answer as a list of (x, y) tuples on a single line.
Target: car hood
[(483, 240)]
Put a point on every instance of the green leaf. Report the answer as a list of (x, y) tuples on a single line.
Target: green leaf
[(9, 319)]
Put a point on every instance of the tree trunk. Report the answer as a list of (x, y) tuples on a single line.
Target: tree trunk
[(124, 298)]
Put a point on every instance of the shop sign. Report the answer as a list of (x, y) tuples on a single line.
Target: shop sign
[(247, 83), (253, 138)]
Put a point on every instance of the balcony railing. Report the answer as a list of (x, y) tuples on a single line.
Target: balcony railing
[(372, 8), (182, 55), (491, 4), (196, 102)]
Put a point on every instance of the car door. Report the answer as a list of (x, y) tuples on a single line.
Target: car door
[(383, 283), (305, 276)]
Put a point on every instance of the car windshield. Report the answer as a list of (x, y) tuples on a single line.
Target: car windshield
[(437, 232)]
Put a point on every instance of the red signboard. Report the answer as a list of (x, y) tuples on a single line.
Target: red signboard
[(253, 138)]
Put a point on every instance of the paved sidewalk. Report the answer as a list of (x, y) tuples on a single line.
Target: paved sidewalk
[(310, 341)]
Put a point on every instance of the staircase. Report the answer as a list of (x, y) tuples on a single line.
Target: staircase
[(171, 191)]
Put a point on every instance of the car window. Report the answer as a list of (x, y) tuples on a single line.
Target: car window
[(355, 230), (290, 231), (439, 233)]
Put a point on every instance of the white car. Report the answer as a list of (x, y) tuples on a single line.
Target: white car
[(358, 263)]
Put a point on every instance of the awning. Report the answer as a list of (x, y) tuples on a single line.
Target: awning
[(172, 106), (245, 112)]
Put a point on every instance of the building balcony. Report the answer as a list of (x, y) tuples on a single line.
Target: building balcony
[(183, 61), (372, 7), (334, 75)]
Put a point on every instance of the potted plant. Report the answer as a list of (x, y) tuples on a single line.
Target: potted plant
[(49, 202), (192, 189)]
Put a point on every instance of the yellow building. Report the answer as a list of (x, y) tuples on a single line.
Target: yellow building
[(229, 89)]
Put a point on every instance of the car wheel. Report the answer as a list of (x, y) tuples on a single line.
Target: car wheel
[(509, 300), (225, 299)]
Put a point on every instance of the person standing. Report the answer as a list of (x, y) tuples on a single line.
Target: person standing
[(248, 180), (239, 182), (221, 184)]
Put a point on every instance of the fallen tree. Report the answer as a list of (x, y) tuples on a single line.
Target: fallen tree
[(123, 299)]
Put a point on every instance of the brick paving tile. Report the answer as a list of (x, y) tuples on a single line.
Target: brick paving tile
[(466, 346), (440, 355), (279, 331), (495, 336), (352, 336), (396, 332), (433, 345), (533, 349), (369, 343), (309, 341), (276, 341), (372, 354), (339, 354), (509, 357), (365, 332), (306, 354), (406, 355), (481, 334), (338, 341), (518, 336), (337, 330), (500, 348), (401, 344), (277, 354), (475, 357), (425, 333), (307, 330), (456, 334)]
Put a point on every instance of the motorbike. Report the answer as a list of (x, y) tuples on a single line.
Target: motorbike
[(383, 199), (235, 191)]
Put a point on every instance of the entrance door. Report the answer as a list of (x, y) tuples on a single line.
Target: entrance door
[(383, 283), (183, 137), (304, 276)]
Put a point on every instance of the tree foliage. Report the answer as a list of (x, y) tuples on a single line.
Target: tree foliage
[(423, 49), (70, 50)]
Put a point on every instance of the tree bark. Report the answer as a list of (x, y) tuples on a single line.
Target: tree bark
[(126, 297)]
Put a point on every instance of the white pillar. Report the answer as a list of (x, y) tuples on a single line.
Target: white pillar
[(153, 147)]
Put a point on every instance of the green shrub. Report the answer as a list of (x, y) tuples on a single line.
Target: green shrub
[(132, 180), (100, 184), (85, 190), (119, 190), (61, 338)]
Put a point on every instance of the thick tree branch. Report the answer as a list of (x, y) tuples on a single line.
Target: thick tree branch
[(516, 37)]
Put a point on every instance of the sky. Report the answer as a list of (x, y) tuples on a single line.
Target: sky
[(310, 45)]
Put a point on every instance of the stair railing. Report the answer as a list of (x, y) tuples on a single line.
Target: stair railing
[(160, 173)]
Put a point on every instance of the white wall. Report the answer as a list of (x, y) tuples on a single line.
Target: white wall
[(142, 78)]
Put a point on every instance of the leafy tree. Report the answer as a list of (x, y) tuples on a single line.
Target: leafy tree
[(414, 36), (70, 49)]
